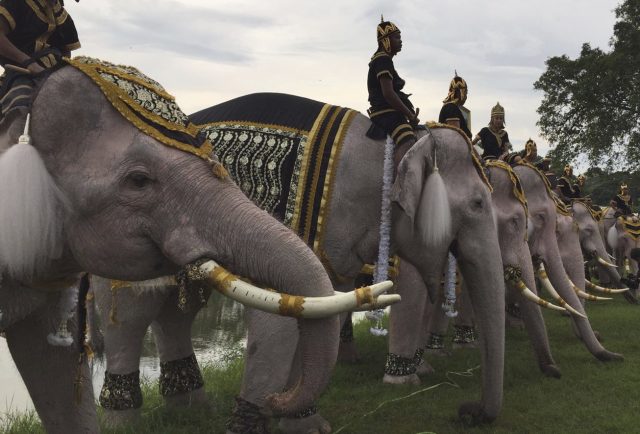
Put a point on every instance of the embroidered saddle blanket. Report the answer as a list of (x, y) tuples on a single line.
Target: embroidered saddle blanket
[(282, 150)]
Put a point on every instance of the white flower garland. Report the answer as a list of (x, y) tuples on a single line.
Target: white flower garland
[(450, 288), (382, 265)]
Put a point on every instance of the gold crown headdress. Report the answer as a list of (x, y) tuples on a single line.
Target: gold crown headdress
[(530, 145), (497, 110), (383, 31), (623, 187), (568, 169), (456, 86)]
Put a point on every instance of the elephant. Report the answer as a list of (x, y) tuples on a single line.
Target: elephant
[(427, 219), (595, 251), (623, 237), (511, 213), (549, 229), (119, 184)]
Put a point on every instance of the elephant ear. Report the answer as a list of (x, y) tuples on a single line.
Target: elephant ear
[(407, 187)]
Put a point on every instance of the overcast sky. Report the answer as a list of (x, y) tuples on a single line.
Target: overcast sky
[(208, 51)]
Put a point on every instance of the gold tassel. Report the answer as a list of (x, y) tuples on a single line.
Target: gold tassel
[(219, 171)]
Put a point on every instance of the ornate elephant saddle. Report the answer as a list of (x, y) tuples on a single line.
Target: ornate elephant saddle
[(283, 159), (631, 225)]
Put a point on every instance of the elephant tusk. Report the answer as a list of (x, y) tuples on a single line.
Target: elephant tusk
[(546, 283), (291, 305), (606, 263), (531, 296), (381, 302), (592, 286), (586, 296)]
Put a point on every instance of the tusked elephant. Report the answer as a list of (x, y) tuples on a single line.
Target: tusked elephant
[(547, 223), (118, 183), (622, 237), (511, 214), (342, 223)]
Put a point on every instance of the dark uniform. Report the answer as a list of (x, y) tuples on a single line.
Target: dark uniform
[(35, 25), (567, 188), (623, 204), (493, 144), (451, 109), (393, 122)]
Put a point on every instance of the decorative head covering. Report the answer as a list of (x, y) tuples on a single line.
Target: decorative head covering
[(456, 88), (530, 146), (581, 179), (383, 31), (497, 110), (568, 170), (146, 104)]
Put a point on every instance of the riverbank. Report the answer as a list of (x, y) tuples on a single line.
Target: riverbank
[(591, 396)]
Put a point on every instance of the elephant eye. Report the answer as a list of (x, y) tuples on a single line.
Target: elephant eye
[(139, 180)]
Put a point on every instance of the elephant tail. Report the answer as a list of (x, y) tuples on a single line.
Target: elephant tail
[(434, 213)]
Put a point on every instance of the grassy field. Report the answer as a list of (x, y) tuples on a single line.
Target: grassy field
[(591, 396)]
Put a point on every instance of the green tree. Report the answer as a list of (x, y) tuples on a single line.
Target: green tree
[(591, 105)]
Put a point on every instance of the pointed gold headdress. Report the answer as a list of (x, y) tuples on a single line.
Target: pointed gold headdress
[(383, 31)]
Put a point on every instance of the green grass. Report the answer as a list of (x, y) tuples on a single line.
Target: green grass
[(591, 396)]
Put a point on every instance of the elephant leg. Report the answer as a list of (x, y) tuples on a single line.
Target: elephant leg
[(181, 382), (347, 350), (437, 330), (50, 374), (126, 317), (464, 329), (404, 336), (271, 346)]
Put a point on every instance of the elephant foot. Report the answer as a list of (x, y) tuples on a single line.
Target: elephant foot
[(608, 356), (424, 368), (195, 398), (551, 371), (412, 379), (472, 414), (120, 418), (630, 297), (314, 424), (247, 418), (348, 352)]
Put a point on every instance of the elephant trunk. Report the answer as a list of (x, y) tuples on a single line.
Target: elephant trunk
[(481, 267), (562, 283), (271, 256)]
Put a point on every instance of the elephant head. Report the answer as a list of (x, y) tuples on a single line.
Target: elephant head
[(593, 245), (127, 191)]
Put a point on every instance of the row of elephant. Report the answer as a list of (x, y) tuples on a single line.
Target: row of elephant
[(100, 192)]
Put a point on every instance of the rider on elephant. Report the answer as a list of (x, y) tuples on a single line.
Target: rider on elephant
[(566, 185), (453, 111), (530, 155), (493, 139), (390, 108), (29, 27), (622, 201)]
